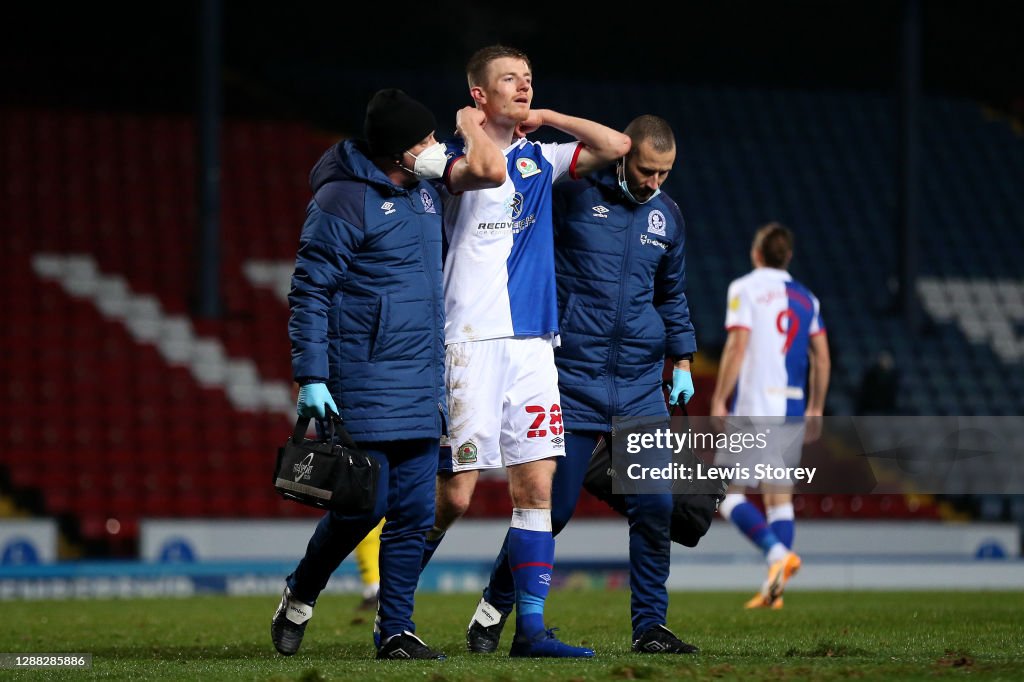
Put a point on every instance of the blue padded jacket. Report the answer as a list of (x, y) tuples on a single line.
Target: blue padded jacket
[(621, 278), (367, 312)]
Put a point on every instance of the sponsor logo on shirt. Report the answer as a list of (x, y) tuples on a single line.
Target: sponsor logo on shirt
[(600, 211), (527, 167), (513, 209), (513, 226), (645, 240), (387, 207), (514, 205), (656, 223)]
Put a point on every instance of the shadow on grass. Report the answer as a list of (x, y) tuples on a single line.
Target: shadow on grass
[(635, 672), (228, 652), (825, 649)]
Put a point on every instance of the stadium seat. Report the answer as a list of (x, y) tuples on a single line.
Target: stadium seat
[(820, 162)]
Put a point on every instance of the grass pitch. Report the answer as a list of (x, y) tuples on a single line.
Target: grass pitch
[(819, 635)]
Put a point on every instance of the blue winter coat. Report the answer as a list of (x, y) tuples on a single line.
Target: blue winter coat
[(367, 312), (621, 279)]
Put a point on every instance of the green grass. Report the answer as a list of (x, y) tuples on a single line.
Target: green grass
[(819, 635)]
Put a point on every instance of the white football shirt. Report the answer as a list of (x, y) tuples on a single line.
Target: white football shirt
[(782, 315), (499, 270)]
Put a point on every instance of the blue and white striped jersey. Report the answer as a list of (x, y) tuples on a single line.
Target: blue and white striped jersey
[(499, 271), (782, 315)]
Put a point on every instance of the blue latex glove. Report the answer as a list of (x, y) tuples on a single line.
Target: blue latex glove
[(312, 399), (682, 383)]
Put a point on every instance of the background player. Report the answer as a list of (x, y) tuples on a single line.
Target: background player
[(368, 560), (774, 325)]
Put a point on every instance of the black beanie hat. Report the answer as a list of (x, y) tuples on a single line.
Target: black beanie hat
[(395, 122)]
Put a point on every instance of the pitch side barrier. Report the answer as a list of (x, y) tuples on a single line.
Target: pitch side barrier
[(947, 455)]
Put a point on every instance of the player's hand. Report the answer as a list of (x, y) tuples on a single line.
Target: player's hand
[(812, 426), (718, 414), (682, 386), (533, 121), (314, 400), (466, 117)]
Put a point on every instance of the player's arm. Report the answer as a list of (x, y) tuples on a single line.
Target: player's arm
[(729, 369), (483, 164), (820, 370), (601, 144)]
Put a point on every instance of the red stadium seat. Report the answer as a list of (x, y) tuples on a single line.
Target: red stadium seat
[(149, 438)]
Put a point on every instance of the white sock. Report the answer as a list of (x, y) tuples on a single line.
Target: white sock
[(532, 519), (731, 501), (782, 512), (778, 551)]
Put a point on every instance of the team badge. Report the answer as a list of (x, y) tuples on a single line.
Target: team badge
[(656, 223), (527, 167), (466, 454), (428, 202)]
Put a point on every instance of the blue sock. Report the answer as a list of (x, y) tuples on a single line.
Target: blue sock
[(784, 531), (531, 556), (751, 522), (780, 520), (429, 547)]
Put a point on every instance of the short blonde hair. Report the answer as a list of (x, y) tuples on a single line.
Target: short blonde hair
[(476, 67)]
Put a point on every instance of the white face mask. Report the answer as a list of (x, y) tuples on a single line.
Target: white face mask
[(430, 162)]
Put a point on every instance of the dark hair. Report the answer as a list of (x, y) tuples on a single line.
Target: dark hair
[(476, 67), (774, 242), (653, 129)]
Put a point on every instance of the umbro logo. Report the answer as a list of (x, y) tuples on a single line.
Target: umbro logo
[(298, 615), (387, 207), (600, 211), (655, 647)]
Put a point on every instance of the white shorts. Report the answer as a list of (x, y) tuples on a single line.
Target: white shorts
[(503, 403), (773, 442)]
